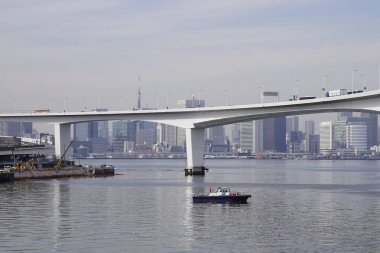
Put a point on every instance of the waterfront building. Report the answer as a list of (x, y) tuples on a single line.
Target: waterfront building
[(357, 137), (161, 134), (326, 132), (340, 136), (370, 120)]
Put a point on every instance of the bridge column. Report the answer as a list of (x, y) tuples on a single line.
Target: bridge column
[(62, 138), (194, 151)]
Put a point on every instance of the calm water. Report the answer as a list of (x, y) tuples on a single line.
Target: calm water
[(296, 206)]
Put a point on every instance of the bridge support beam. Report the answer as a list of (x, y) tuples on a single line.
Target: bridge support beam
[(194, 151), (62, 138)]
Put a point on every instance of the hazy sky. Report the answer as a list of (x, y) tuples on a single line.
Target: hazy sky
[(92, 52)]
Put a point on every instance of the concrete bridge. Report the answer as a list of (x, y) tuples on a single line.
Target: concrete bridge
[(196, 120)]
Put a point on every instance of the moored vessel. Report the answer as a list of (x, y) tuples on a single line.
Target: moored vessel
[(6, 175)]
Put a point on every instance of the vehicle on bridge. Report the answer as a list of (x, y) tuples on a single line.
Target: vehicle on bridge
[(333, 93), (307, 97), (355, 91)]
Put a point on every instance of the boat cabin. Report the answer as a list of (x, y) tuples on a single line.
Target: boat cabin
[(220, 192)]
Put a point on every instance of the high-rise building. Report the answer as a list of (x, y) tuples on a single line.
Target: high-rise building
[(131, 131), (119, 129), (258, 141), (246, 137), (327, 143), (81, 132), (232, 133), (216, 135), (296, 123), (357, 136), (92, 135), (18, 129), (292, 124), (92, 130), (144, 139), (295, 142), (102, 126), (314, 144), (309, 131), (274, 134), (161, 134), (289, 125), (371, 121), (152, 126)]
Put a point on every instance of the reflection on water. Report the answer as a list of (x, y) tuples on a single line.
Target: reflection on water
[(296, 206)]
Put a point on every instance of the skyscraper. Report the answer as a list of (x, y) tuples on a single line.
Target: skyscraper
[(274, 134), (119, 129), (326, 131), (309, 131), (246, 136), (258, 140), (357, 136), (18, 129), (216, 135)]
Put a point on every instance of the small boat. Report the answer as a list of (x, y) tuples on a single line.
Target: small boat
[(6, 175), (222, 195)]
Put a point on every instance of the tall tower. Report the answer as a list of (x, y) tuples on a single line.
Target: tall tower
[(139, 97)]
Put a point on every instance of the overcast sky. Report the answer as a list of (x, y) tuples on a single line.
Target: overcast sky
[(92, 52)]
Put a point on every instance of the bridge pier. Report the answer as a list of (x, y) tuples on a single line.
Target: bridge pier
[(194, 151), (62, 138)]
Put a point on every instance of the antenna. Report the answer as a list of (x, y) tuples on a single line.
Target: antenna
[(323, 85), (364, 82), (295, 90), (139, 96)]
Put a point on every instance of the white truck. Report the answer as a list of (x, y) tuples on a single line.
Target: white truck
[(333, 93)]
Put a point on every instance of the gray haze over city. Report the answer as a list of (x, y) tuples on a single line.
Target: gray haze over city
[(80, 55)]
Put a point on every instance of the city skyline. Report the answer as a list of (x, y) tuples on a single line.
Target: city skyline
[(79, 54)]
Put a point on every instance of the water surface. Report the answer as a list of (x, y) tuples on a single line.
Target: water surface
[(296, 206)]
